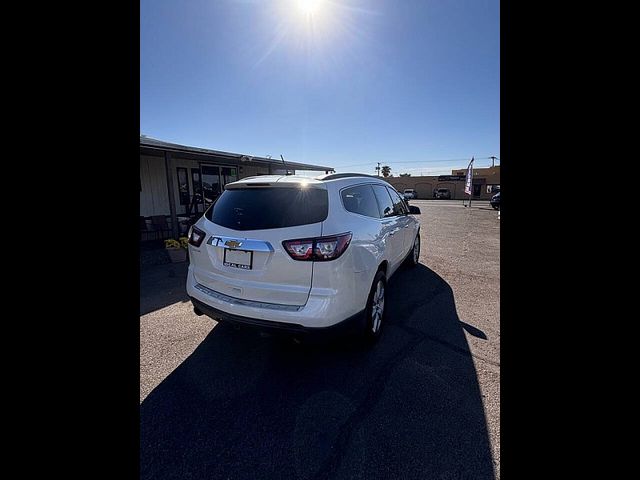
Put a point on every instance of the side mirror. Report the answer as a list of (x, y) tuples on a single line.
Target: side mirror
[(413, 210)]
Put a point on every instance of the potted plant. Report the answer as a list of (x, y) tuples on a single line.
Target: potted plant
[(176, 249)]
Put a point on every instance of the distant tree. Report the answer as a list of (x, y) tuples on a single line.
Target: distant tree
[(405, 174), (386, 171)]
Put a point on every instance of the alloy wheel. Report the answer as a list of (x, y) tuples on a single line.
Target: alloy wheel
[(377, 308)]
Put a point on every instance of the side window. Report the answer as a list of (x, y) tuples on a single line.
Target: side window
[(399, 207), (360, 199), (384, 201)]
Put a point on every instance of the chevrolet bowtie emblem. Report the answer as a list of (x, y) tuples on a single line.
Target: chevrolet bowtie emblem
[(233, 243)]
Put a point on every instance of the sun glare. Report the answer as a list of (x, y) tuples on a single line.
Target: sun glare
[(309, 7), (320, 31)]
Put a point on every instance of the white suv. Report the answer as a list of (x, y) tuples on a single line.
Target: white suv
[(301, 254)]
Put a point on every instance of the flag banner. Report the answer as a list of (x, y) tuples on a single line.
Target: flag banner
[(469, 180)]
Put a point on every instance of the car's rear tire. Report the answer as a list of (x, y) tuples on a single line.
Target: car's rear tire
[(414, 256), (375, 312)]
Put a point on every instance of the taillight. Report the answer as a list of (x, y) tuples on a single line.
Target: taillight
[(299, 249), (320, 249), (196, 236)]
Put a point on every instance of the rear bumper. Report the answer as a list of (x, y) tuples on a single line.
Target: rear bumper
[(324, 307), (353, 324)]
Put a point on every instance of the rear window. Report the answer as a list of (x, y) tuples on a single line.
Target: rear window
[(266, 208), (361, 200)]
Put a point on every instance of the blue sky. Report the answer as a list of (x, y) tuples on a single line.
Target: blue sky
[(411, 84)]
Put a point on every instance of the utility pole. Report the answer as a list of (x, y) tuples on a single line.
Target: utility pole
[(378, 168), (493, 161)]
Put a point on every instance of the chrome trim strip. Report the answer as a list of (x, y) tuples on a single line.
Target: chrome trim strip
[(244, 244), (247, 303)]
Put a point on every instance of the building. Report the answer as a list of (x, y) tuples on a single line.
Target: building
[(486, 181), (177, 182)]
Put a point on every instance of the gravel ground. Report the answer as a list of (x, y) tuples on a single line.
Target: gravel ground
[(424, 403), (169, 330), (463, 247), (158, 256)]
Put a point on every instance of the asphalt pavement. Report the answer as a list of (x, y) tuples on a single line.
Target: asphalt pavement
[(424, 403)]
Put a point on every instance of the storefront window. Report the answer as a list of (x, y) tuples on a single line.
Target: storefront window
[(183, 186)]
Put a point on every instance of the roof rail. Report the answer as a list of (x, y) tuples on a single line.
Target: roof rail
[(335, 176)]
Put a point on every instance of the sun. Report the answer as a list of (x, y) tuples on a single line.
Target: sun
[(309, 7)]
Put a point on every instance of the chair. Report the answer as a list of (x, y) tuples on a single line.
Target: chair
[(144, 229), (160, 225)]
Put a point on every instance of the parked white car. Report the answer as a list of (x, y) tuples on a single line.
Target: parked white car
[(301, 254), (410, 194)]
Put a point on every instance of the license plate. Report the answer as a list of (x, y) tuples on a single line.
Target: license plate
[(238, 258)]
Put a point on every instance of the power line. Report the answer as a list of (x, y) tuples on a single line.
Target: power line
[(447, 160), (418, 161)]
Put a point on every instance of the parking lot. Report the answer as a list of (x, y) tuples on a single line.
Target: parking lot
[(424, 403)]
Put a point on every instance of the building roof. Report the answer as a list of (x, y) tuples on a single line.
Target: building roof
[(152, 143)]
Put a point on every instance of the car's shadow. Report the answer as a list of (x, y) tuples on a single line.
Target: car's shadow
[(242, 406), (162, 285)]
